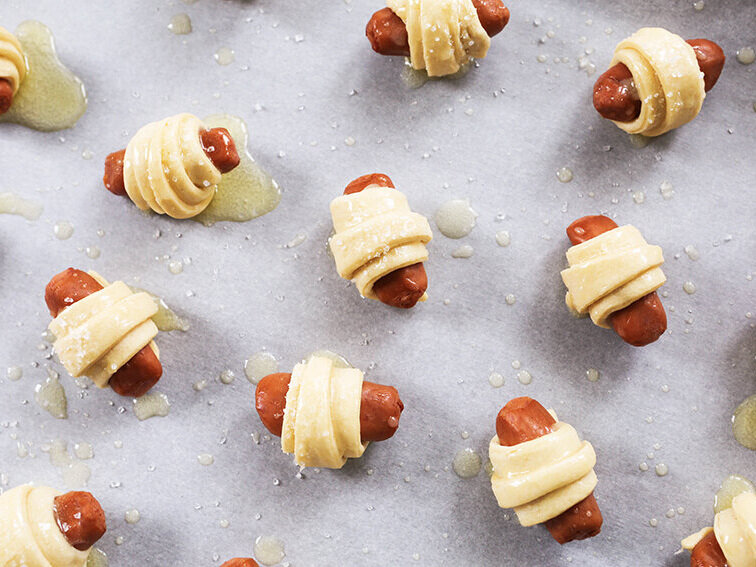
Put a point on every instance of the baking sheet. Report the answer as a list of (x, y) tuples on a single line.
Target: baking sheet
[(323, 109)]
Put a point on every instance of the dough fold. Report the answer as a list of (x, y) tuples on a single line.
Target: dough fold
[(543, 477), (12, 59), (321, 425), (735, 530), (609, 272), (100, 333), (29, 533), (443, 35), (669, 82), (376, 233), (167, 170)]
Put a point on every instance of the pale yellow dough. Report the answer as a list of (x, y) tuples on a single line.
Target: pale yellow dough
[(609, 272), (376, 233), (669, 82), (321, 425), (735, 530), (29, 533), (12, 59), (100, 333), (543, 477), (167, 170), (443, 34)]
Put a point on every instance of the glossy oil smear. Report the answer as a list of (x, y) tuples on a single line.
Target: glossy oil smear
[(51, 396), (456, 218), (744, 423), (11, 204), (97, 558), (259, 365), (151, 405), (166, 319), (269, 550), (467, 463), (51, 97), (730, 488), (248, 191)]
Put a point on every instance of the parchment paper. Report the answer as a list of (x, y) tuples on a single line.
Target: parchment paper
[(322, 108)]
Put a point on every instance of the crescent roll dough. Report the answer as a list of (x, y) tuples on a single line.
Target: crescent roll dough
[(29, 533), (12, 60), (609, 272), (667, 77), (167, 170), (376, 233), (442, 34), (543, 477), (735, 530), (97, 335), (321, 423)]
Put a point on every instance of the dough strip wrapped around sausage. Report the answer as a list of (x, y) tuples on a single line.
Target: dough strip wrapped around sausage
[(321, 425), (376, 233), (166, 169), (667, 77), (100, 333), (610, 271), (735, 531), (12, 60), (443, 35), (29, 533), (543, 477)]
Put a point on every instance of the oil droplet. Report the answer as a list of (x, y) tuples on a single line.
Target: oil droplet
[(63, 230), (524, 377), (744, 423), (466, 463), (269, 550), (692, 252), (259, 365), (97, 558), (666, 190), (224, 523), (746, 55), (227, 376), (11, 204), (338, 360), (181, 24), (248, 191), (639, 197), (176, 267), (653, 522), (92, 252), (639, 140), (564, 174), (51, 97), (51, 396), (592, 375), (464, 251), (455, 218), (14, 373), (75, 473), (698, 5), (83, 451), (661, 469), (132, 516), (496, 380), (510, 299), (643, 467), (166, 319), (730, 488), (689, 287), (151, 405), (205, 459), (224, 56), (503, 239)]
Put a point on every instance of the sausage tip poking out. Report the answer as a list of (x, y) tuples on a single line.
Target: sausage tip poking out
[(6, 95), (380, 407), (241, 562), (80, 519), (220, 148), (113, 176), (708, 553), (711, 60)]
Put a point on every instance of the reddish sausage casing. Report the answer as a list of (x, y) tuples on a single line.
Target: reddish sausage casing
[(80, 519)]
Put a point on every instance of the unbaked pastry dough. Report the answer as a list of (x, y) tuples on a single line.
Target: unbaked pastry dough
[(735, 530), (376, 233), (442, 34), (12, 60), (667, 77), (321, 423), (167, 170), (543, 477), (100, 333), (29, 533), (610, 271)]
